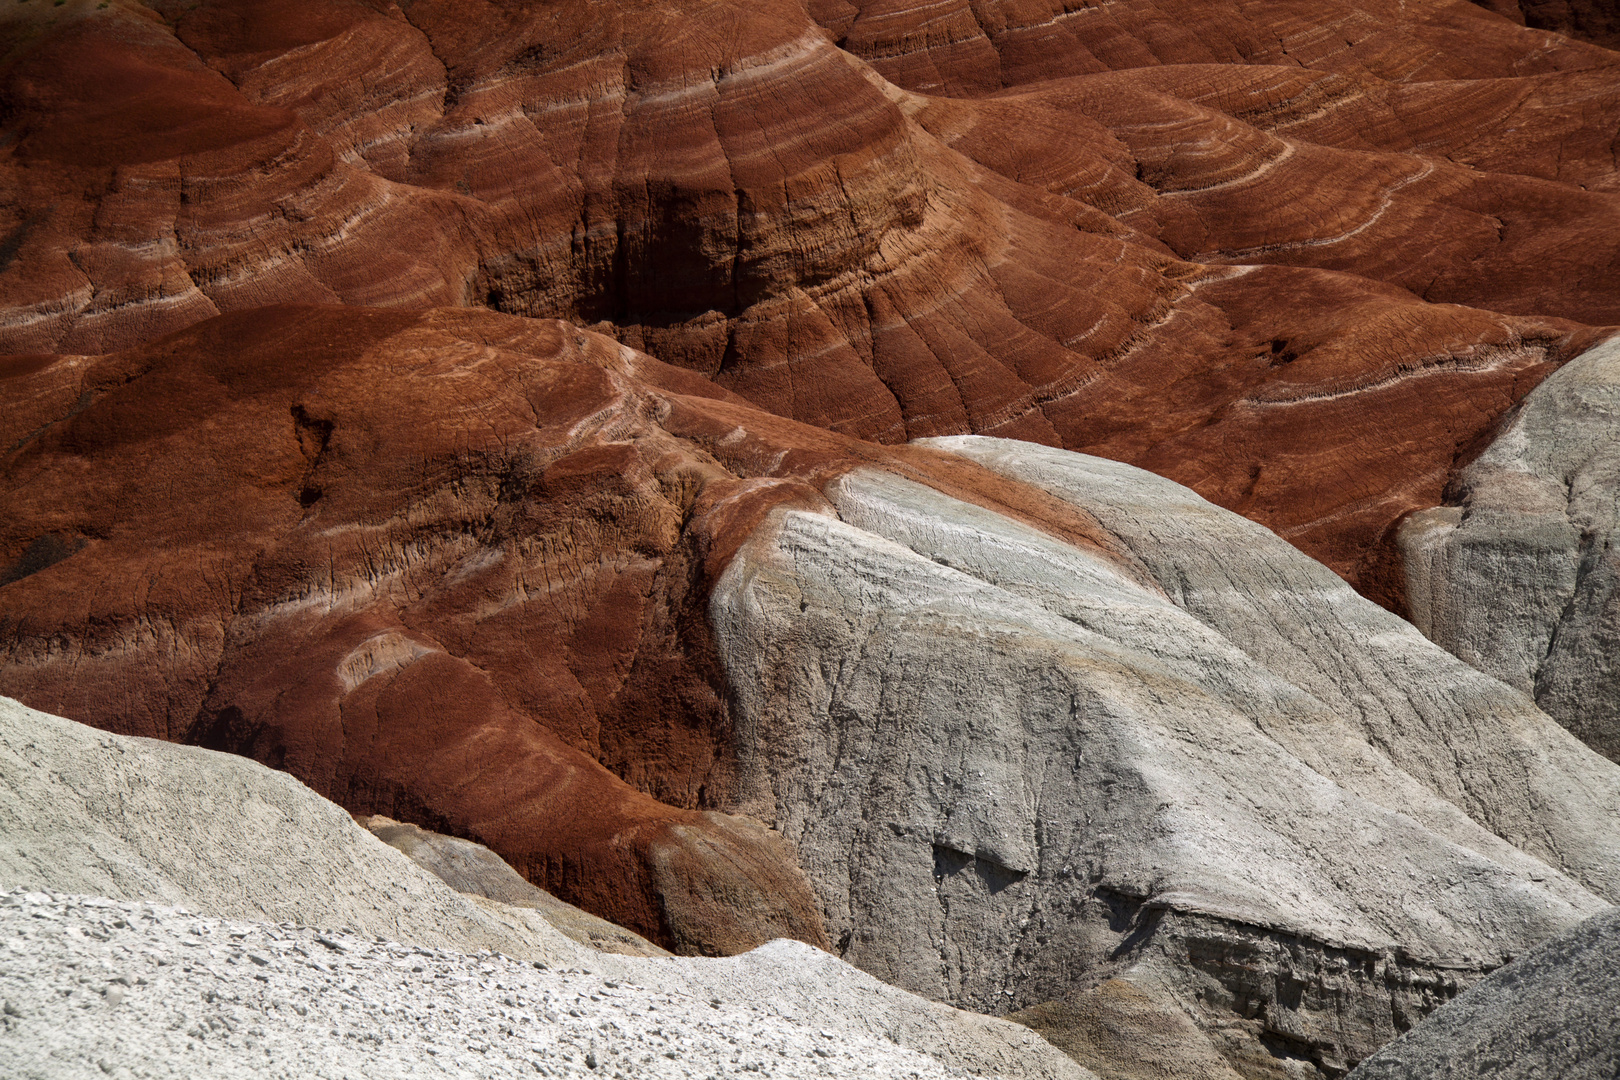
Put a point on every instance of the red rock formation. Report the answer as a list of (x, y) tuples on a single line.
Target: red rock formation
[(1065, 261), (374, 549)]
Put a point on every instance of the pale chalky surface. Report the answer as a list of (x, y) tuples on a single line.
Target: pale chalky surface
[(94, 988), (1015, 766), (80, 809)]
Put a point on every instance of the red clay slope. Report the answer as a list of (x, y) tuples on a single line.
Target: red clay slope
[(374, 549), (1220, 240), (452, 567)]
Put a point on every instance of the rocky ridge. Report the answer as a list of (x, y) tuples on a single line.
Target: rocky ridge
[(1180, 797), (1014, 769), (91, 813), (364, 618), (1160, 751)]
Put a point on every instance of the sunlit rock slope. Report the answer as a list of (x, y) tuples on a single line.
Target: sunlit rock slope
[(308, 947)]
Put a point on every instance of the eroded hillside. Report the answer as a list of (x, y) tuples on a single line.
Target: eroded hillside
[(693, 450)]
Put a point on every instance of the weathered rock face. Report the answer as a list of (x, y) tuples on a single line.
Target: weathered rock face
[(1013, 768), (85, 811), (462, 579), (994, 721), (481, 572), (1183, 234), (1522, 577), (1026, 43), (1124, 1033), (1547, 1014)]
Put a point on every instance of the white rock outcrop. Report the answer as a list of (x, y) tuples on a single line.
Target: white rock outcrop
[(1522, 580), (1013, 767), (313, 949)]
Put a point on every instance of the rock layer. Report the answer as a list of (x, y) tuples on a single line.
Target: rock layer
[(463, 581), (1521, 577), (1122, 1032), (1196, 237), (89, 812), (667, 636), (366, 614), (996, 722), (475, 870)]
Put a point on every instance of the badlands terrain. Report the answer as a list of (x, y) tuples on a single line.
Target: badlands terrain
[(829, 522)]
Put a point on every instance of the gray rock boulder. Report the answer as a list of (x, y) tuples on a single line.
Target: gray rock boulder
[(474, 870), (1015, 768), (1522, 579), (1549, 1014)]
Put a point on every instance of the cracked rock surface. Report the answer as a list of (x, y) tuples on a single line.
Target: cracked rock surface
[(1522, 579)]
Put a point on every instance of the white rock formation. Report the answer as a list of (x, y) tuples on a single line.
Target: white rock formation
[(1522, 580), (1480, 747), (404, 977), (1013, 767)]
